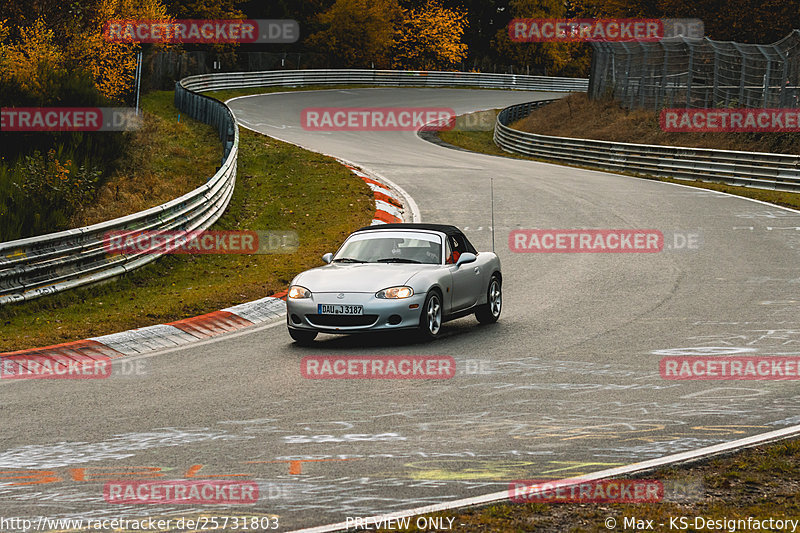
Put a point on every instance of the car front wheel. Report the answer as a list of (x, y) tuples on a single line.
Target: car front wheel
[(490, 312), (430, 323)]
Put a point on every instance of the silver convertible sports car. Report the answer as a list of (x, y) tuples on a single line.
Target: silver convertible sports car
[(395, 276)]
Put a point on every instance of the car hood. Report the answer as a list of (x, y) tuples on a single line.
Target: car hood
[(354, 277)]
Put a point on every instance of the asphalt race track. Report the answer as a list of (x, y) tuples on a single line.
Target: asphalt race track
[(567, 382)]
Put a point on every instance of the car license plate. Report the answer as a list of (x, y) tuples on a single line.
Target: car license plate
[(338, 309)]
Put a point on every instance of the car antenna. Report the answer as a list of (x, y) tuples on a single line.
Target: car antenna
[(491, 194)]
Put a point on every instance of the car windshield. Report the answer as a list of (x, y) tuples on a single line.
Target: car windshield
[(391, 247)]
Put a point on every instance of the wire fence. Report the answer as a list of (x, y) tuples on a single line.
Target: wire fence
[(697, 73)]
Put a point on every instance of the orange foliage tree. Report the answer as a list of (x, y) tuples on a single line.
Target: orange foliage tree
[(28, 58), (76, 44), (430, 38), (112, 65)]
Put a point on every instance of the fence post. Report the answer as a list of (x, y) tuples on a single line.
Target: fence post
[(642, 84), (594, 72), (782, 88), (765, 93), (690, 71), (662, 93), (741, 77), (716, 70)]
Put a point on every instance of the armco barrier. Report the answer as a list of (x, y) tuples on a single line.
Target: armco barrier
[(51, 263), (384, 78), (751, 169)]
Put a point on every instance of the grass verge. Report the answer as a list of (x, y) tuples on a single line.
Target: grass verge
[(163, 160), (482, 142), (279, 187), (579, 117), (760, 482)]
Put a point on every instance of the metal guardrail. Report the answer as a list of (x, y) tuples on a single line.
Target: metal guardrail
[(51, 263), (386, 78), (750, 169)]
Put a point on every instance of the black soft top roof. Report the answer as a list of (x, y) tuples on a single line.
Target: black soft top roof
[(447, 229), (444, 228)]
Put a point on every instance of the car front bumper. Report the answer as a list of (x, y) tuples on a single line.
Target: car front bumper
[(379, 314)]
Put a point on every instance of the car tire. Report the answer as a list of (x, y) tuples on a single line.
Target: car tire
[(302, 337), (430, 320), (489, 312)]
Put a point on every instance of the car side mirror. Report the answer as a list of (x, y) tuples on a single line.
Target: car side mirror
[(327, 257), (466, 257)]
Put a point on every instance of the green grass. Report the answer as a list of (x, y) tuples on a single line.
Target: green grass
[(482, 142), (164, 160), (279, 187)]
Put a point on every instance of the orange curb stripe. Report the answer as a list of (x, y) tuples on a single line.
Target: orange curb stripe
[(211, 324), (281, 295), (370, 180), (388, 199), (83, 348), (383, 216)]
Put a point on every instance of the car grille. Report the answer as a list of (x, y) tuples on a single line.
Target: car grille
[(342, 320)]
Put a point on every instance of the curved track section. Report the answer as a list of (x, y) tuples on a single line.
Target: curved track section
[(567, 383)]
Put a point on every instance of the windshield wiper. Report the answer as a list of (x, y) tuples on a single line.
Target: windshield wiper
[(348, 260), (397, 260)]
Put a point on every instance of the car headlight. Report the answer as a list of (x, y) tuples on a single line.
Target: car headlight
[(395, 293), (296, 292)]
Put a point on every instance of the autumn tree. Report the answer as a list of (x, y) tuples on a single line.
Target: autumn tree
[(430, 38), (25, 61), (111, 64), (548, 57), (358, 33), (46, 45)]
